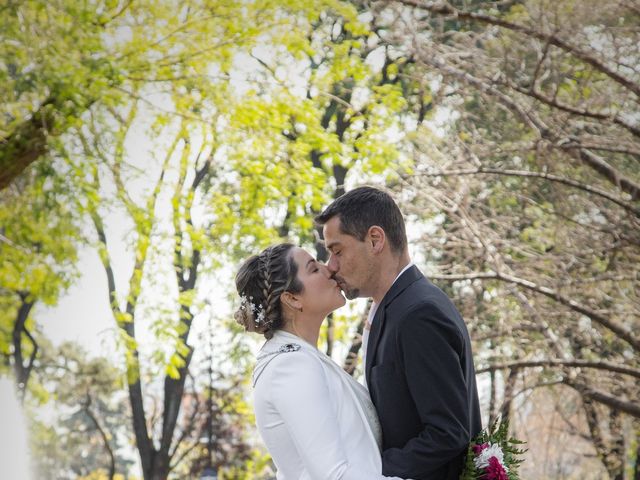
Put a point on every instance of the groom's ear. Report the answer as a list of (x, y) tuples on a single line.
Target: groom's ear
[(377, 238)]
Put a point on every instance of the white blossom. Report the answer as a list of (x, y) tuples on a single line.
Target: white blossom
[(482, 460)]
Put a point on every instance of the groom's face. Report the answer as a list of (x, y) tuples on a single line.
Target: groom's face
[(349, 260)]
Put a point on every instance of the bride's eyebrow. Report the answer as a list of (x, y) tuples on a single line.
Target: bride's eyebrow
[(310, 262)]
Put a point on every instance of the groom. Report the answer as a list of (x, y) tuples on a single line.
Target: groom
[(418, 360)]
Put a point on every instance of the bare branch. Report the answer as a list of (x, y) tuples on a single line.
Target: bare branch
[(599, 365), (553, 102), (616, 403), (547, 176), (535, 123), (588, 57), (103, 435), (622, 331)]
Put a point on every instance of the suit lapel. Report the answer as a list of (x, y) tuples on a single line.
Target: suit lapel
[(407, 278)]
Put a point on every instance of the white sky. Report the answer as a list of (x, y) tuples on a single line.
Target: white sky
[(82, 314)]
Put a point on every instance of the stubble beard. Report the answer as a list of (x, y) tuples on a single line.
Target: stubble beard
[(349, 292), (352, 293)]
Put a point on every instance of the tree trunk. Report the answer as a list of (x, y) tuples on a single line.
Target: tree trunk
[(22, 371), (25, 144), (612, 465), (616, 457), (492, 396), (505, 410), (351, 360), (636, 469)]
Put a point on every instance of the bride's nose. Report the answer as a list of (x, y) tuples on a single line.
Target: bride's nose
[(325, 270)]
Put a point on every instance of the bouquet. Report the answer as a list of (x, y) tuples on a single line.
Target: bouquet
[(493, 455)]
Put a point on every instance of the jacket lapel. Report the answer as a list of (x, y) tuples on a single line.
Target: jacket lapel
[(407, 278)]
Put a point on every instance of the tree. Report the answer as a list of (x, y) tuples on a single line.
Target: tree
[(56, 63), (106, 63), (218, 193), (39, 233), (61, 60), (62, 63), (330, 124), (530, 194), (89, 431)]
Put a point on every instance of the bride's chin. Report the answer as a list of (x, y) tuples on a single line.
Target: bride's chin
[(337, 304)]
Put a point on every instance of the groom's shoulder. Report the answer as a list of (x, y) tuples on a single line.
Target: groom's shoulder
[(422, 290), (424, 296)]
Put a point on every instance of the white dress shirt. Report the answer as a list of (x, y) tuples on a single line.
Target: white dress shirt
[(316, 420)]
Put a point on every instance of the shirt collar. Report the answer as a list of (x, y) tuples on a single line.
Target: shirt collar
[(374, 305)]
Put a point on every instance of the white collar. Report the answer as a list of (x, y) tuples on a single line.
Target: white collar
[(409, 265), (374, 305)]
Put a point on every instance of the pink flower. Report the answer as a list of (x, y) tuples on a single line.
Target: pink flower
[(495, 471), (478, 448)]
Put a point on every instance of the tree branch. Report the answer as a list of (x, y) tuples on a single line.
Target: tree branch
[(443, 8), (21, 371), (544, 175), (542, 130), (600, 365), (631, 408), (25, 144), (553, 102), (622, 331), (351, 359), (187, 428), (103, 435), (143, 441)]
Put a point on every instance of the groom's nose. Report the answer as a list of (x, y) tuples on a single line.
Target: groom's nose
[(332, 264)]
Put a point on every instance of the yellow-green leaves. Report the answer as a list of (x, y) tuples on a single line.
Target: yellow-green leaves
[(176, 362), (39, 234)]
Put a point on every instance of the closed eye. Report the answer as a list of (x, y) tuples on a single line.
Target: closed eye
[(312, 266)]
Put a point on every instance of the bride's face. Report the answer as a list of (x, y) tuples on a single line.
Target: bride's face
[(321, 293)]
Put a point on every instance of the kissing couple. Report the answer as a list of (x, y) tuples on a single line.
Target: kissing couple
[(419, 409)]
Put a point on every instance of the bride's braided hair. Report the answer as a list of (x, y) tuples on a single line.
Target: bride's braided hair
[(260, 282)]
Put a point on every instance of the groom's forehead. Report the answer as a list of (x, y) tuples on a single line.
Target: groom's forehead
[(330, 245), (333, 235), (335, 242)]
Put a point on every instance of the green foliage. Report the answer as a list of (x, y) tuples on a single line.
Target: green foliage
[(267, 152), (102, 474), (257, 467), (39, 237)]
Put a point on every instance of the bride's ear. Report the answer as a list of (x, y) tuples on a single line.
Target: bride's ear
[(291, 301)]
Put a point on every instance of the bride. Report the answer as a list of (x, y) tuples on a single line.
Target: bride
[(316, 421)]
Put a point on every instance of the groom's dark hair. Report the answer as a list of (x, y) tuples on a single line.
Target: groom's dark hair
[(363, 207)]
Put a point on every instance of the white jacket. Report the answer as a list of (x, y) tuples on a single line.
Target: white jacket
[(316, 421)]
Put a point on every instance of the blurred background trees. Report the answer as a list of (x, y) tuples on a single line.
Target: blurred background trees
[(534, 190), (173, 139)]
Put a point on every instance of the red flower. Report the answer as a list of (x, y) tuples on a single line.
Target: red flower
[(495, 471), (478, 448)]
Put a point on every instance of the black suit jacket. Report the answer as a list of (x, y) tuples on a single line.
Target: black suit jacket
[(422, 381)]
